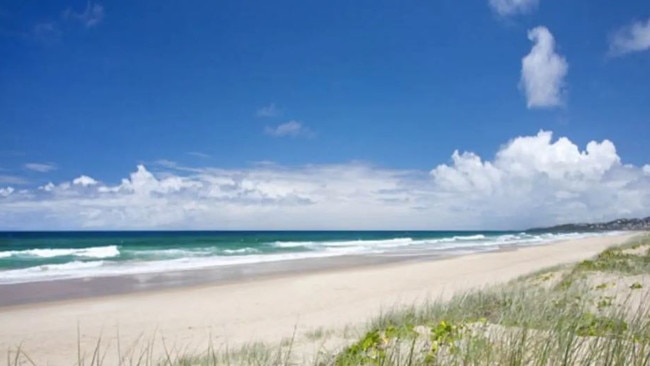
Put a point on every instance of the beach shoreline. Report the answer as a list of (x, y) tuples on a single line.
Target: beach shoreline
[(64, 289), (61, 290), (268, 308)]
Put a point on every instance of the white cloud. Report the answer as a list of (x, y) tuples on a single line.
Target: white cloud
[(41, 167), (631, 38), (291, 128), (90, 17), (269, 111), (48, 187), (84, 181), (532, 181), (543, 71), (512, 7), (6, 192), (535, 181)]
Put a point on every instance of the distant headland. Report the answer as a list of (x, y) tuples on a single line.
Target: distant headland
[(616, 225)]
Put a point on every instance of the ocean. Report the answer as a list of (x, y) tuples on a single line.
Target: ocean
[(46, 256)]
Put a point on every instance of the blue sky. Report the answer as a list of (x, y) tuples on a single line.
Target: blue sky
[(368, 90)]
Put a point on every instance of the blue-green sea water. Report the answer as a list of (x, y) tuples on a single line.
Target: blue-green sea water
[(41, 256)]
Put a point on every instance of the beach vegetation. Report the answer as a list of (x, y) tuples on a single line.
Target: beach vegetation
[(604, 285), (318, 333), (254, 354), (521, 324), (604, 302)]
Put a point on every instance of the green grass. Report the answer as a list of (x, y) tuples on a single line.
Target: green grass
[(506, 326), (318, 334), (612, 260), (615, 260), (636, 286), (522, 322), (255, 354)]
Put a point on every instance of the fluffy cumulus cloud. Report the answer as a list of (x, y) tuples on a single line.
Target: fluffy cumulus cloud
[(291, 128), (631, 38), (543, 71), (532, 180), (512, 7), (6, 191), (84, 181)]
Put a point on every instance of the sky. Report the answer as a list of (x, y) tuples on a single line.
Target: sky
[(446, 114)]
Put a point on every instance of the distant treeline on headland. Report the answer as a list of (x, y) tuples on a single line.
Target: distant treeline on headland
[(616, 225)]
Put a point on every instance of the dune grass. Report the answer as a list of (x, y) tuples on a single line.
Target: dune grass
[(513, 326), (552, 317), (521, 323)]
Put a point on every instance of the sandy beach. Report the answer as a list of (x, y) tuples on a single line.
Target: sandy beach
[(187, 319)]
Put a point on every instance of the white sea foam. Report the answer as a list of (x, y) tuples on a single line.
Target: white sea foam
[(49, 272), (469, 237), (185, 253), (291, 244), (108, 268), (241, 251), (386, 243), (168, 253), (70, 266), (369, 243), (108, 251)]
